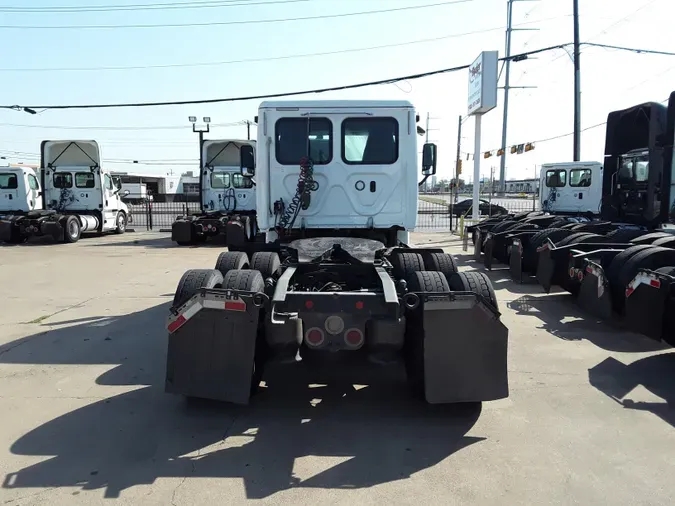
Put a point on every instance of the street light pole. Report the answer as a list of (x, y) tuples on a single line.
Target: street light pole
[(200, 129)]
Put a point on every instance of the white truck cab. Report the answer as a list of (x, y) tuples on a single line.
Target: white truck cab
[(348, 165), (571, 188), (20, 190), (227, 198), (76, 195), (223, 188)]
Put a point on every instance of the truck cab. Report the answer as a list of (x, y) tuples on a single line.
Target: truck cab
[(571, 188), (227, 197), (20, 190), (347, 166), (222, 186)]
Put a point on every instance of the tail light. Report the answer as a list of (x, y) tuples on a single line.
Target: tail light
[(314, 337), (354, 338)]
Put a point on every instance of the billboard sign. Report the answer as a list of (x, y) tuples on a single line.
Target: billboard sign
[(483, 83)]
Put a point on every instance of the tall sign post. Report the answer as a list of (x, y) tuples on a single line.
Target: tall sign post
[(482, 98)]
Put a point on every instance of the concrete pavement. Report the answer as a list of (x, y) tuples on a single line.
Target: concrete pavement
[(85, 419)]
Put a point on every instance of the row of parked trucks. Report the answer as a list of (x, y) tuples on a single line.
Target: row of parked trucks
[(619, 262), (316, 214)]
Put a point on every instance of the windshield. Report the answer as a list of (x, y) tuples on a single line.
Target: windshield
[(8, 181), (634, 169)]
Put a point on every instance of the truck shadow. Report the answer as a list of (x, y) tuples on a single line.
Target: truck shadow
[(296, 433), (162, 242), (617, 380), (561, 317)]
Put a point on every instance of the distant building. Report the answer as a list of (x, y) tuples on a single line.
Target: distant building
[(186, 183), (522, 186)]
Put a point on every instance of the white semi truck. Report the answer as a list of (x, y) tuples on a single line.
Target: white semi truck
[(69, 194), (571, 188), (336, 275), (227, 198)]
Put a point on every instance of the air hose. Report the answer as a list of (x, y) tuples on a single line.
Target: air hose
[(301, 200)]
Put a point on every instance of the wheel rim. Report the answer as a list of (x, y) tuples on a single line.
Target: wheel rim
[(72, 229), (121, 222)]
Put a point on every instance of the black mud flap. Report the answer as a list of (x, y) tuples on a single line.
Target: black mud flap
[(182, 231), (594, 295), (465, 349), (478, 246), (516, 261), (545, 267), (7, 231), (54, 229), (212, 342), (648, 299), (235, 233), (488, 251)]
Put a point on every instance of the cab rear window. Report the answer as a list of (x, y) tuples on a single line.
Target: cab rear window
[(63, 180), (84, 180), (8, 181)]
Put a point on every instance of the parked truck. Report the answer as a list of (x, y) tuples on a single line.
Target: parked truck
[(336, 274), (70, 194), (227, 199)]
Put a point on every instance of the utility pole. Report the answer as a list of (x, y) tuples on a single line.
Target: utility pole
[(577, 85), (509, 29), (507, 87)]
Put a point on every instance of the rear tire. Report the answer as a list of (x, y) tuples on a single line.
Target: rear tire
[(231, 260), (266, 262), (665, 242), (440, 262), (476, 282), (71, 230), (406, 264), (194, 280)]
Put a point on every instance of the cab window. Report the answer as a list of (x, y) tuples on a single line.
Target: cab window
[(296, 138), (370, 141), (556, 178), (8, 181), (580, 178), (84, 180), (33, 182), (108, 182), (239, 181), (63, 180), (220, 180)]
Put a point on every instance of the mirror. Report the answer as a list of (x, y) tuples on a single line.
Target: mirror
[(126, 192), (429, 159), (117, 183), (247, 157)]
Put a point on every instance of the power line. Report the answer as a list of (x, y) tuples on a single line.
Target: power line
[(120, 128), (630, 49), (516, 57), (238, 22), (272, 58), (141, 7)]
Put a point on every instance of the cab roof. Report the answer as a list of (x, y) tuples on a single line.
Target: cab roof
[(335, 104)]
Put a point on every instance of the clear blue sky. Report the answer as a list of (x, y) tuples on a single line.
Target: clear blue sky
[(610, 79)]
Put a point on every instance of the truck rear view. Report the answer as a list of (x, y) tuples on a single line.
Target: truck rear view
[(337, 197)]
